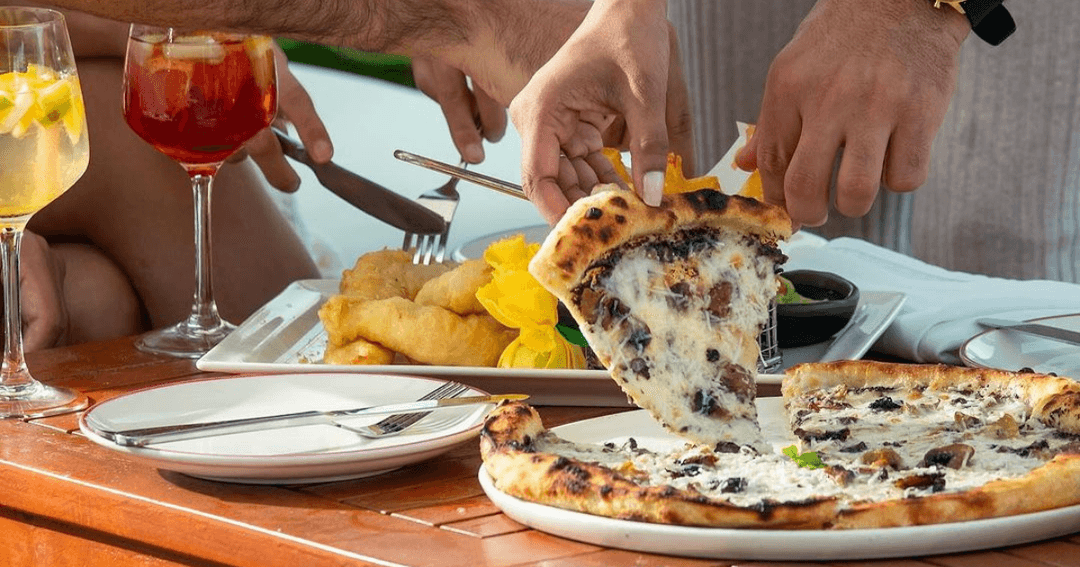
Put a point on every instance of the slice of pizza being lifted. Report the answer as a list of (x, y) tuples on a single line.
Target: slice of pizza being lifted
[(672, 299)]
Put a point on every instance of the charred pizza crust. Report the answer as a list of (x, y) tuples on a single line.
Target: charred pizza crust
[(610, 218), (672, 300), (529, 462)]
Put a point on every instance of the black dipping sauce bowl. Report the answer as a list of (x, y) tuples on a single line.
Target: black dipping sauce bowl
[(801, 324)]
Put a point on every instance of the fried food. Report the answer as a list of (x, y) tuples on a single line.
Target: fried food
[(456, 290), (424, 333), (388, 273), (357, 352)]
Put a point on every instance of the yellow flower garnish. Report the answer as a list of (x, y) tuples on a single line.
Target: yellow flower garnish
[(515, 299), (674, 180)]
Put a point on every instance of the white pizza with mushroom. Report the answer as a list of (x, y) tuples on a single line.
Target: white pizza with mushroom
[(880, 445)]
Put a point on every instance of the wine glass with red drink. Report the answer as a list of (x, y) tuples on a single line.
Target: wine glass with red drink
[(197, 97)]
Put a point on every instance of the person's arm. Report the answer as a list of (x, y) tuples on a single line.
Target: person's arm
[(871, 78), (499, 43)]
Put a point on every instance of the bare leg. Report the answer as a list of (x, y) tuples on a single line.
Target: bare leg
[(135, 205)]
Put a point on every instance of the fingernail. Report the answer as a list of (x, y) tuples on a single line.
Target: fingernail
[(654, 188), (474, 153)]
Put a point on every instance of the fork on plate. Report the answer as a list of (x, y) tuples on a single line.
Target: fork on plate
[(444, 201), (395, 424)]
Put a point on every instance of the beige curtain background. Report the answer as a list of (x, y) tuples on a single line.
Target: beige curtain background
[(1003, 196)]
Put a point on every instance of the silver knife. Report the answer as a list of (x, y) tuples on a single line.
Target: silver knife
[(1032, 328), (495, 183), (366, 195), (144, 436)]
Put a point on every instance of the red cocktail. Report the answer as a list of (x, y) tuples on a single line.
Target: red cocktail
[(197, 96)]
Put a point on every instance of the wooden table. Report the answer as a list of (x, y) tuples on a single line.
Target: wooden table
[(66, 501)]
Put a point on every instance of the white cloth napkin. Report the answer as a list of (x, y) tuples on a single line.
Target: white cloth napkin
[(942, 305)]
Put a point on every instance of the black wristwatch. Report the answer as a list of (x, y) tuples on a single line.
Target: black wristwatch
[(989, 19)]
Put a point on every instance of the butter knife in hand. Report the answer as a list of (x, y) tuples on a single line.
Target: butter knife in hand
[(366, 195), (144, 436)]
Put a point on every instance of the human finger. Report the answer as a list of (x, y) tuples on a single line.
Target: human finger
[(266, 152), (450, 89), (859, 177), (907, 162), (540, 156), (491, 113), (775, 139), (680, 121), (295, 106), (809, 173)]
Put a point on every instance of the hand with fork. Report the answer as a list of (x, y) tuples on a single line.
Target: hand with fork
[(471, 115)]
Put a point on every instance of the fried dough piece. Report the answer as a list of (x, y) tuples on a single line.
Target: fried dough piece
[(456, 290), (357, 352), (424, 333), (388, 273)]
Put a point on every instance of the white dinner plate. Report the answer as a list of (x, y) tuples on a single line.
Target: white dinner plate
[(310, 453), (756, 544), (1011, 350)]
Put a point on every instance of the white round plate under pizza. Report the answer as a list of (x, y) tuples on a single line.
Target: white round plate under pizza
[(876, 460)]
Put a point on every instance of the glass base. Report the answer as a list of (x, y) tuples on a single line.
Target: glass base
[(183, 340), (39, 400)]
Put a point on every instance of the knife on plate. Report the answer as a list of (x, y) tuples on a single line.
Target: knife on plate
[(364, 194), (144, 436), (1055, 333)]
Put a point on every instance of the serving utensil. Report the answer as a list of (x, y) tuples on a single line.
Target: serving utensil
[(1032, 328), (144, 436), (504, 187), (366, 195)]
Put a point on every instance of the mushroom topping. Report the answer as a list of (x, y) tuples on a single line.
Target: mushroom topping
[(882, 458), (842, 476), (1004, 428), (934, 481), (965, 421), (952, 456)]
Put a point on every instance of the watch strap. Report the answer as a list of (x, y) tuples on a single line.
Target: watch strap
[(989, 20)]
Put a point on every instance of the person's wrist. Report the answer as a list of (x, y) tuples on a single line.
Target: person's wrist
[(953, 21)]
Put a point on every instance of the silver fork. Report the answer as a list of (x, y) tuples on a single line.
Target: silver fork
[(395, 424), (444, 201)]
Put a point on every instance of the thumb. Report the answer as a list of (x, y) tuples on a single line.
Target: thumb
[(648, 153)]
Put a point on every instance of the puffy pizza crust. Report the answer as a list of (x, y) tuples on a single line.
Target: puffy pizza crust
[(582, 235), (1055, 401)]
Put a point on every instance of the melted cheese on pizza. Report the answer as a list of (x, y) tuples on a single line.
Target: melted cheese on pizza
[(676, 320), (743, 477), (989, 431)]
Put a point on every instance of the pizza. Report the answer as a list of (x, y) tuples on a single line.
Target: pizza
[(872, 445), (672, 299)]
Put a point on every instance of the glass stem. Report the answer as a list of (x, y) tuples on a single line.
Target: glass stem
[(14, 376), (204, 313)]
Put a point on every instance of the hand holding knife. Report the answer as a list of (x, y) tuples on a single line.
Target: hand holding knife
[(364, 194)]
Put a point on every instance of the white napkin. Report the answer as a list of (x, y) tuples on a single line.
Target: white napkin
[(942, 305)]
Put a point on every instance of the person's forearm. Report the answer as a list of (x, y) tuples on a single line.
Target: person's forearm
[(409, 27), (499, 43)]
